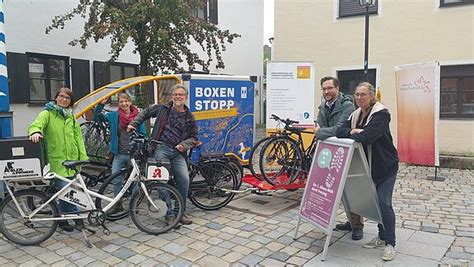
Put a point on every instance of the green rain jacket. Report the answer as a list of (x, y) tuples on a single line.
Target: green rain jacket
[(63, 139)]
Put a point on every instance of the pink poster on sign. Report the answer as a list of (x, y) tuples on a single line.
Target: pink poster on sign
[(322, 187)]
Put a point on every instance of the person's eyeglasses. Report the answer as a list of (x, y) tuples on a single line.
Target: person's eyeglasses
[(178, 94), (360, 94), (327, 88), (65, 97)]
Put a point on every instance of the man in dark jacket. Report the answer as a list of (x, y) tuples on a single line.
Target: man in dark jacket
[(175, 126), (333, 112)]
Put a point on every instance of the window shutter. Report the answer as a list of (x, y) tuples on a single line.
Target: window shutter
[(101, 74), (80, 77), (18, 79), (348, 8), (213, 12)]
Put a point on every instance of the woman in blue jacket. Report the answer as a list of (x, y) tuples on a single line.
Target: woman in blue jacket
[(120, 138)]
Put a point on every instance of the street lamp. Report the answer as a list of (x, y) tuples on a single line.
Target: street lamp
[(366, 4)]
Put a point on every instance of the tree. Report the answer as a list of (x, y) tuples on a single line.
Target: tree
[(161, 30)]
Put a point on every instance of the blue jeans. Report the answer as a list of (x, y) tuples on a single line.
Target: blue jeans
[(120, 161), (384, 194), (179, 167), (63, 205)]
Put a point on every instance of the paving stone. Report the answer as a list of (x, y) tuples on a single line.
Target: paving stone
[(227, 244), (214, 225), (192, 255), (460, 255), (64, 251), (49, 257), (261, 239), (217, 251), (84, 261), (137, 259), (212, 261), (281, 256), (297, 261), (251, 260), (174, 248), (214, 240), (263, 252), (165, 258), (233, 256), (432, 239), (123, 253), (248, 227), (272, 262), (180, 263)]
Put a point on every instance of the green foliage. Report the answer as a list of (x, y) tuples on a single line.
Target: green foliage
[(161, 30)]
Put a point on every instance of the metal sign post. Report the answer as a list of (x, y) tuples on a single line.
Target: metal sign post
[(339, 171)]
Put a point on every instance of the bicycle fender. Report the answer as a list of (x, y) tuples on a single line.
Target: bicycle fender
[(158, 173)]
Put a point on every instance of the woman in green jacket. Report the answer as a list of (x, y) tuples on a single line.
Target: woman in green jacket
[(57, 125)]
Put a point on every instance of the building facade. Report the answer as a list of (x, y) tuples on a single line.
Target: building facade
[(331, 33), (38, 63)]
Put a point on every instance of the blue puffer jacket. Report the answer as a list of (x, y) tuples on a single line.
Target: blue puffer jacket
[(113, 120)]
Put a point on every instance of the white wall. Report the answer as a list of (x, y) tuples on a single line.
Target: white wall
[(245, 17)]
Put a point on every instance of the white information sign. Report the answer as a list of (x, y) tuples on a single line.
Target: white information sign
[(290, 92)]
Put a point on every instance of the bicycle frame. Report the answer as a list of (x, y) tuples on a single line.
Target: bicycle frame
[(79, 182)]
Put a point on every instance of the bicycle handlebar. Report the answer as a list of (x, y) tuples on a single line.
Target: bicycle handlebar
[(287, 122)]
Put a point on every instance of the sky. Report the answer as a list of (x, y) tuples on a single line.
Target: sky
[(268, 7)]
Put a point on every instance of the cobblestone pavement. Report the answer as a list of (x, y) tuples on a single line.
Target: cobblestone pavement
[(231, 236)]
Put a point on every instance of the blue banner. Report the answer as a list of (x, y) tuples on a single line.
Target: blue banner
[(224, 111)]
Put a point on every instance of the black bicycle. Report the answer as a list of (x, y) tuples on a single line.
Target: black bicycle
[(284, 156), (212, 181), (97, 137)]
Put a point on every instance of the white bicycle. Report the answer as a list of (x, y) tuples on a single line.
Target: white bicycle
[(30, 216)]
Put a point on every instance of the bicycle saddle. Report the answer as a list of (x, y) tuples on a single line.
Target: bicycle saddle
[(72, 164)]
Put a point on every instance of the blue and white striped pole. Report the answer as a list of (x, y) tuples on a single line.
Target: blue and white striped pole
[(5, 114)]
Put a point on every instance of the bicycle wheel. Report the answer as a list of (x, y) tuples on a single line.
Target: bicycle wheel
[(161, 217), (121, 209), (207, 184), (95, 139), (23, 231), (254, 157), (280, 161), (238, 169)]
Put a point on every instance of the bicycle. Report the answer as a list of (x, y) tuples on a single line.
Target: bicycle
[(212, 181), (284, 157), (254, 157), (97, 137), (29, 216)]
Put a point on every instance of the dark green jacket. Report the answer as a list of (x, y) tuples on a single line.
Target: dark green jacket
[(330, 119)]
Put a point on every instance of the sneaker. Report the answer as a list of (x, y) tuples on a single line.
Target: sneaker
[(185, 220), (388, 253), (169, 220), (375, 243), (357, 234), (344, 226)]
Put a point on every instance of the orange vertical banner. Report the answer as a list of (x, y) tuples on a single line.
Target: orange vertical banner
[(417, 88)]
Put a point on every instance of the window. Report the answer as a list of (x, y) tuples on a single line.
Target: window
[(448, 3), (349, 79), (46, 74), (208, 12), (105, 72), (350, 8), (457, 91)]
